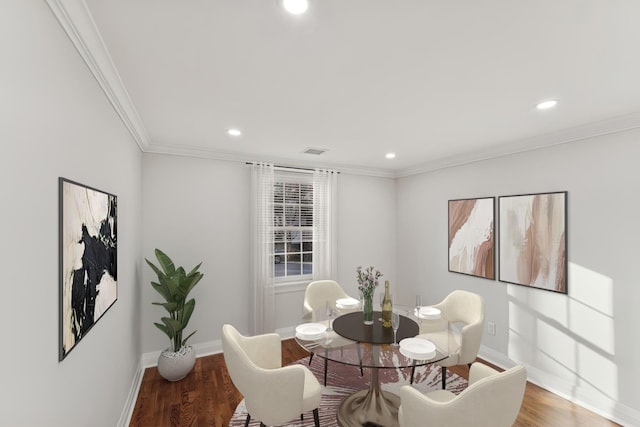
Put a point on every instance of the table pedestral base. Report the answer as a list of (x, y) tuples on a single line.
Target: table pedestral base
[(369, 408)]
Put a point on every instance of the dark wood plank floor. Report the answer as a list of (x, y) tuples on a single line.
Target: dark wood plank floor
[(207, 397)]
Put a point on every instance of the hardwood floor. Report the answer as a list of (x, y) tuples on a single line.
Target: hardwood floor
[(207, 397)]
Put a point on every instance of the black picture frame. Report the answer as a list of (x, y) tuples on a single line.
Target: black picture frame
[(88, 260), (471, 246), (533, 240)]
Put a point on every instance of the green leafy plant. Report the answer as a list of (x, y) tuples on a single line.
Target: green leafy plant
[(174, 284)]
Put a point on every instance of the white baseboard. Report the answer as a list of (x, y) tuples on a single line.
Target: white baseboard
[(130, 404), (150, 359), (607, 408), (285, 333)]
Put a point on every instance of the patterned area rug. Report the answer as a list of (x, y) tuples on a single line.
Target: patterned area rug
[(343, 380)]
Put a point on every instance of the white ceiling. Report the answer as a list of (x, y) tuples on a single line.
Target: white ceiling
[(436, 82)]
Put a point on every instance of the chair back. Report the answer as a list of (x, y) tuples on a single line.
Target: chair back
[(319, 292), (492, 399), (468, 308)]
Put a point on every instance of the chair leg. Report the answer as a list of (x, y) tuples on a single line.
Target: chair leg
[(326, 364), (316, 418), (444, 377), (246, 423), (311, 358), (413, 371), (360, 358)]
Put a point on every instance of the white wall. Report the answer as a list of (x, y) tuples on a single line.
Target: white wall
[(584, 345), (198, 210), (366, 228), (55, 121)]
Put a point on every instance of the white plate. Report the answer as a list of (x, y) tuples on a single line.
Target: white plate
[(417, 348), (428, 313), (347, 307), (410, 355), (310, 331), (347, 302)]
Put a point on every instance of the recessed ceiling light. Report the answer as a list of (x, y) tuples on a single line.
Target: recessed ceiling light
[(391, 155), (234, 132), (295, 7), (545, 105)]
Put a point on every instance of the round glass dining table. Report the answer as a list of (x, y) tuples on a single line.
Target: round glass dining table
[(349, 341)]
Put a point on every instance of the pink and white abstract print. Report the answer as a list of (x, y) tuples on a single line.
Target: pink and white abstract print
[(471, 242), (533, 240)]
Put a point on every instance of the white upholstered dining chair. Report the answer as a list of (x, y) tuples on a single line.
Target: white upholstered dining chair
[(316, 296), (319, 292), (273, 394), (465, 308), (492, 399)]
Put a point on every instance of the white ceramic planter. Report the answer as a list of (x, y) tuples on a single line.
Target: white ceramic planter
[(174, 366)]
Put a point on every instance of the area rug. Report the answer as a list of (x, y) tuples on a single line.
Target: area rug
[(343, 380)]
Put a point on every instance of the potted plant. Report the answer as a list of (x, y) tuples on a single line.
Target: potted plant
[(174, 284)]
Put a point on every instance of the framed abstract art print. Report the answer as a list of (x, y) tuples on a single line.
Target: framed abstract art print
[(471, 237), (533, 240), (88, 261)]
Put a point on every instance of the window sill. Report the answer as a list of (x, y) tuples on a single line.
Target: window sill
[(291, 287)]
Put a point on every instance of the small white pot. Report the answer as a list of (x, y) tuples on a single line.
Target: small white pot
[(175, 365)]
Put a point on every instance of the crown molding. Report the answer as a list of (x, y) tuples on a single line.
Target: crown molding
[(76, 20), (190, 151), (578, 133), (564, 136)]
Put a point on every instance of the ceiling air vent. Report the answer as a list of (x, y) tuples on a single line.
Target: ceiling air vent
[(316, 151)]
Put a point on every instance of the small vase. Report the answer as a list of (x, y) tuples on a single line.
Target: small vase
[(367, 309)]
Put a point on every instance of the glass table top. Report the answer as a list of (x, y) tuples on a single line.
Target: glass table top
[(347, 340)]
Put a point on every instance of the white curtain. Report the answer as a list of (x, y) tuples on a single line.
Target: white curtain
[(325, 247), (262, 279)]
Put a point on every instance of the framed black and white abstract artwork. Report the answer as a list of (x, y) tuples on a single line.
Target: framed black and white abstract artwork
[(533, 240), (471, 237), (88, 261)]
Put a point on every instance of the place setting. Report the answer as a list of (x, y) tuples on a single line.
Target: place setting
[(417, 348), (348, 303), (311, 331)]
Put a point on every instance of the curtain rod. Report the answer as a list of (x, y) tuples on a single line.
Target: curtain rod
[(293, 168)]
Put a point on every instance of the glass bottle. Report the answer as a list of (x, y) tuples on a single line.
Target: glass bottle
[(387, 306)]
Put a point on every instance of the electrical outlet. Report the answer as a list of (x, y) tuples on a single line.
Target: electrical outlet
[(491, 328)]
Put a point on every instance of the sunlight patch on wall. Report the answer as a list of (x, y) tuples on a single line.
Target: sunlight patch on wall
[(521, 349), (591, 307), (550, 305), (566, 355), (593, 326), (570, 337), (593, 289), (558, 346)]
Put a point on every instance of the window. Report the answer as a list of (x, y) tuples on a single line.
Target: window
[(293, 234), (292, 226)]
